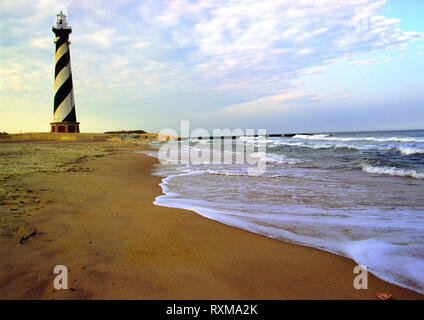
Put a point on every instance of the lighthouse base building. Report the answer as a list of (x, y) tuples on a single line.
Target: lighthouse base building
[(64, 116), (65, 127)]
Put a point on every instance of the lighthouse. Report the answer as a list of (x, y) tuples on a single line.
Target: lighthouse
[(64, 116)]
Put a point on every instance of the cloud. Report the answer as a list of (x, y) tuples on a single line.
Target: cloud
[(263, 106), (365, 62), (43, 43), (317, 97), (226, 52), (270, 105), (176, 10), (343, 97), (312, 71), (99, 39), (286, 36)]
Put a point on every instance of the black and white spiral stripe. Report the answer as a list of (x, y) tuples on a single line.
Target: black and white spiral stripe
[(64, 103)]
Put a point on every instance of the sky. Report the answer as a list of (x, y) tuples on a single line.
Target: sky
[(284, 66)]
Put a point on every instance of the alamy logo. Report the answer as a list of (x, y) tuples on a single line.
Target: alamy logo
[(61, 280), (222, 147), (361, 280)]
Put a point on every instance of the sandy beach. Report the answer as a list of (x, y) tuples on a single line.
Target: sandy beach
[(89, 206)]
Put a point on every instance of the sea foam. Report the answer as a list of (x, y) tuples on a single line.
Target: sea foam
[(392, 171), (376, 139), (365, 204), (410, 150)]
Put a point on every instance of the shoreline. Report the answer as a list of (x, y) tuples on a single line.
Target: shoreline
[(103, 219)]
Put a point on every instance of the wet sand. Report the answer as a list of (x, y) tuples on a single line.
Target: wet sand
[(88, 206)]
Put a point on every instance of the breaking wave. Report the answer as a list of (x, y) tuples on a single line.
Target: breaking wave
[(392, 171), (376, 139), (410, 150)]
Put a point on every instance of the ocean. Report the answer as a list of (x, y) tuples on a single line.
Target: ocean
[(355, 194)]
